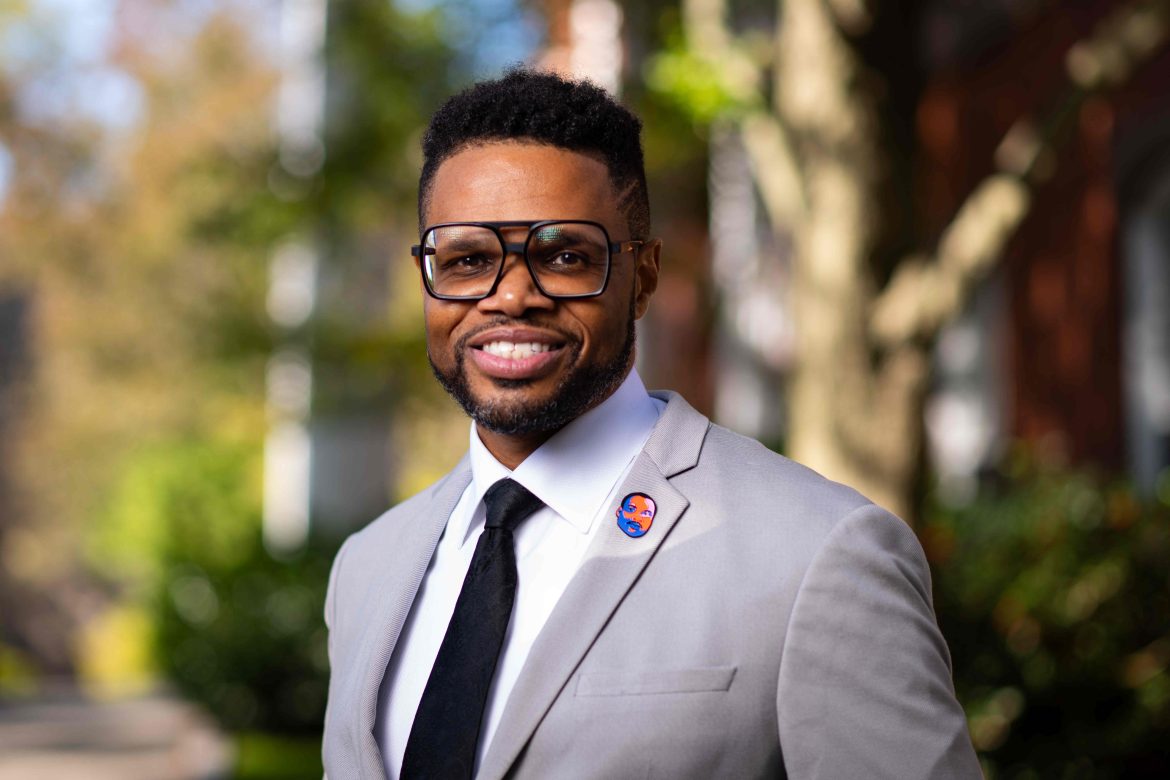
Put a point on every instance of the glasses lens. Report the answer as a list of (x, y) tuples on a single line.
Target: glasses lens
[(461, 260), (569, 258)]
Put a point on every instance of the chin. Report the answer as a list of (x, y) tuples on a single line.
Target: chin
[(505, 408)]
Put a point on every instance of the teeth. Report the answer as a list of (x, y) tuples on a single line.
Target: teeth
[(512, 351)]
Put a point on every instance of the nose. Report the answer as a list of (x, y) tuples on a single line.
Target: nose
[(517, 291)]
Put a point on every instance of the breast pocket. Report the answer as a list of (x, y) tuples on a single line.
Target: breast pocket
[(659, 681)]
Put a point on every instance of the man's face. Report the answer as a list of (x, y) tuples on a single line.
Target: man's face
[(570, 354), (636, 514)]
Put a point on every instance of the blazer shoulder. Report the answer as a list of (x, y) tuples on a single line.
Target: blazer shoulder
[(759, 498), (738, 465)]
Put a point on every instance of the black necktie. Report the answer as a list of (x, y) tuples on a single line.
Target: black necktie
[(445, 732)]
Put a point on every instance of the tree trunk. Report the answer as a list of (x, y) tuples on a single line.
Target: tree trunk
[(854, 414)]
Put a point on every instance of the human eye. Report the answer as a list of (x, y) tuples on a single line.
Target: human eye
[(565, 260), (465, 251), (466, 263), (570, 260)]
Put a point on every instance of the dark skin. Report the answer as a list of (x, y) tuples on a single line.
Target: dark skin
[(512, 180)]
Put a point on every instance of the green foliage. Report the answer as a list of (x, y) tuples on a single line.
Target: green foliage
[(236, 630), (247, 641), (686, 79), (1054, 595), (187, 496), (262, 756), (389, 71)]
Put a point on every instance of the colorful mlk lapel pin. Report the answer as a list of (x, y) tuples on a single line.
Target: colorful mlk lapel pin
[(635, 514)]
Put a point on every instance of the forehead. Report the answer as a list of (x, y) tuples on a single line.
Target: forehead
[(521, 181)]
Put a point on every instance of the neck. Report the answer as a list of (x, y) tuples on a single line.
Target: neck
[(511, 449)]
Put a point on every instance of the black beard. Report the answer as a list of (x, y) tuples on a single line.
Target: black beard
[(579, 390)]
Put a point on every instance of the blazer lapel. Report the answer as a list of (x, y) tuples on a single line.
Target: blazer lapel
[(391, 593), (611, 567)]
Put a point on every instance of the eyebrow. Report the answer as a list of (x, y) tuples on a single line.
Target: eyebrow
[(465, 242)]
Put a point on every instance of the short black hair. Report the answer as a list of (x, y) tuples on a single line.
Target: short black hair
[(544, 108)]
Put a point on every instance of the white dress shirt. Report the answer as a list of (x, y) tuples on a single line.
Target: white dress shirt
[(577, 474)]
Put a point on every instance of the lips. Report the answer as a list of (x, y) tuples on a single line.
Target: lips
[(516, 353)]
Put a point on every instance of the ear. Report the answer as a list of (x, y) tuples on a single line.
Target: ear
[(646, 266)]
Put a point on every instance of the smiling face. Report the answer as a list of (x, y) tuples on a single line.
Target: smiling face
[(519, 363)]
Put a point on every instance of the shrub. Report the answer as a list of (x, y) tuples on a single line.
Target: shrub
[(235, 629), (1053, 591)]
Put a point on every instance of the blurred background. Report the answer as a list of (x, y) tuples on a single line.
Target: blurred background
[(922, 246)]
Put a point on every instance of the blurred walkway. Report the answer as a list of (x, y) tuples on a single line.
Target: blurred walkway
[(151, 738)]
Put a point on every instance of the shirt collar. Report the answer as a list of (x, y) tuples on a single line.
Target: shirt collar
[(577, 468)]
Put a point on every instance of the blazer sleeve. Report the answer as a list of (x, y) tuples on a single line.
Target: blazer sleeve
[(865, 685), (331, 626)]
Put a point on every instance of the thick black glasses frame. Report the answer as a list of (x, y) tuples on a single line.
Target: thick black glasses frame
[(612, 247)]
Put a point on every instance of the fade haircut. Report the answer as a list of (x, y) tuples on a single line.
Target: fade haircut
[(541, 107)]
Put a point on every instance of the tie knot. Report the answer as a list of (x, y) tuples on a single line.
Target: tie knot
[(508, 504)]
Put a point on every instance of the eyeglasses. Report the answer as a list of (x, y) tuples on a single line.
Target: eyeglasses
[(567, 258)]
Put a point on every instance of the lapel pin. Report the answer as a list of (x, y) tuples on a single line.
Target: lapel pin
[(635, 514)]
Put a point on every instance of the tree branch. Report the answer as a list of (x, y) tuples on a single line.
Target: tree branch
[(926, 293), (774, 165)]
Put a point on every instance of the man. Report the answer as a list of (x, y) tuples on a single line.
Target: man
[(645, 594)]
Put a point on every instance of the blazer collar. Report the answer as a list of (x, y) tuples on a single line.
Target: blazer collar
[(610, 568)]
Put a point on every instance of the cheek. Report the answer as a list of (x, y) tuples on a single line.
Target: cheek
[(440, 323), (603, 326), (441, 317)]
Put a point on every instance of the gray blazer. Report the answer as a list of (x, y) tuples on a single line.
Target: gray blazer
[(770, 624)]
